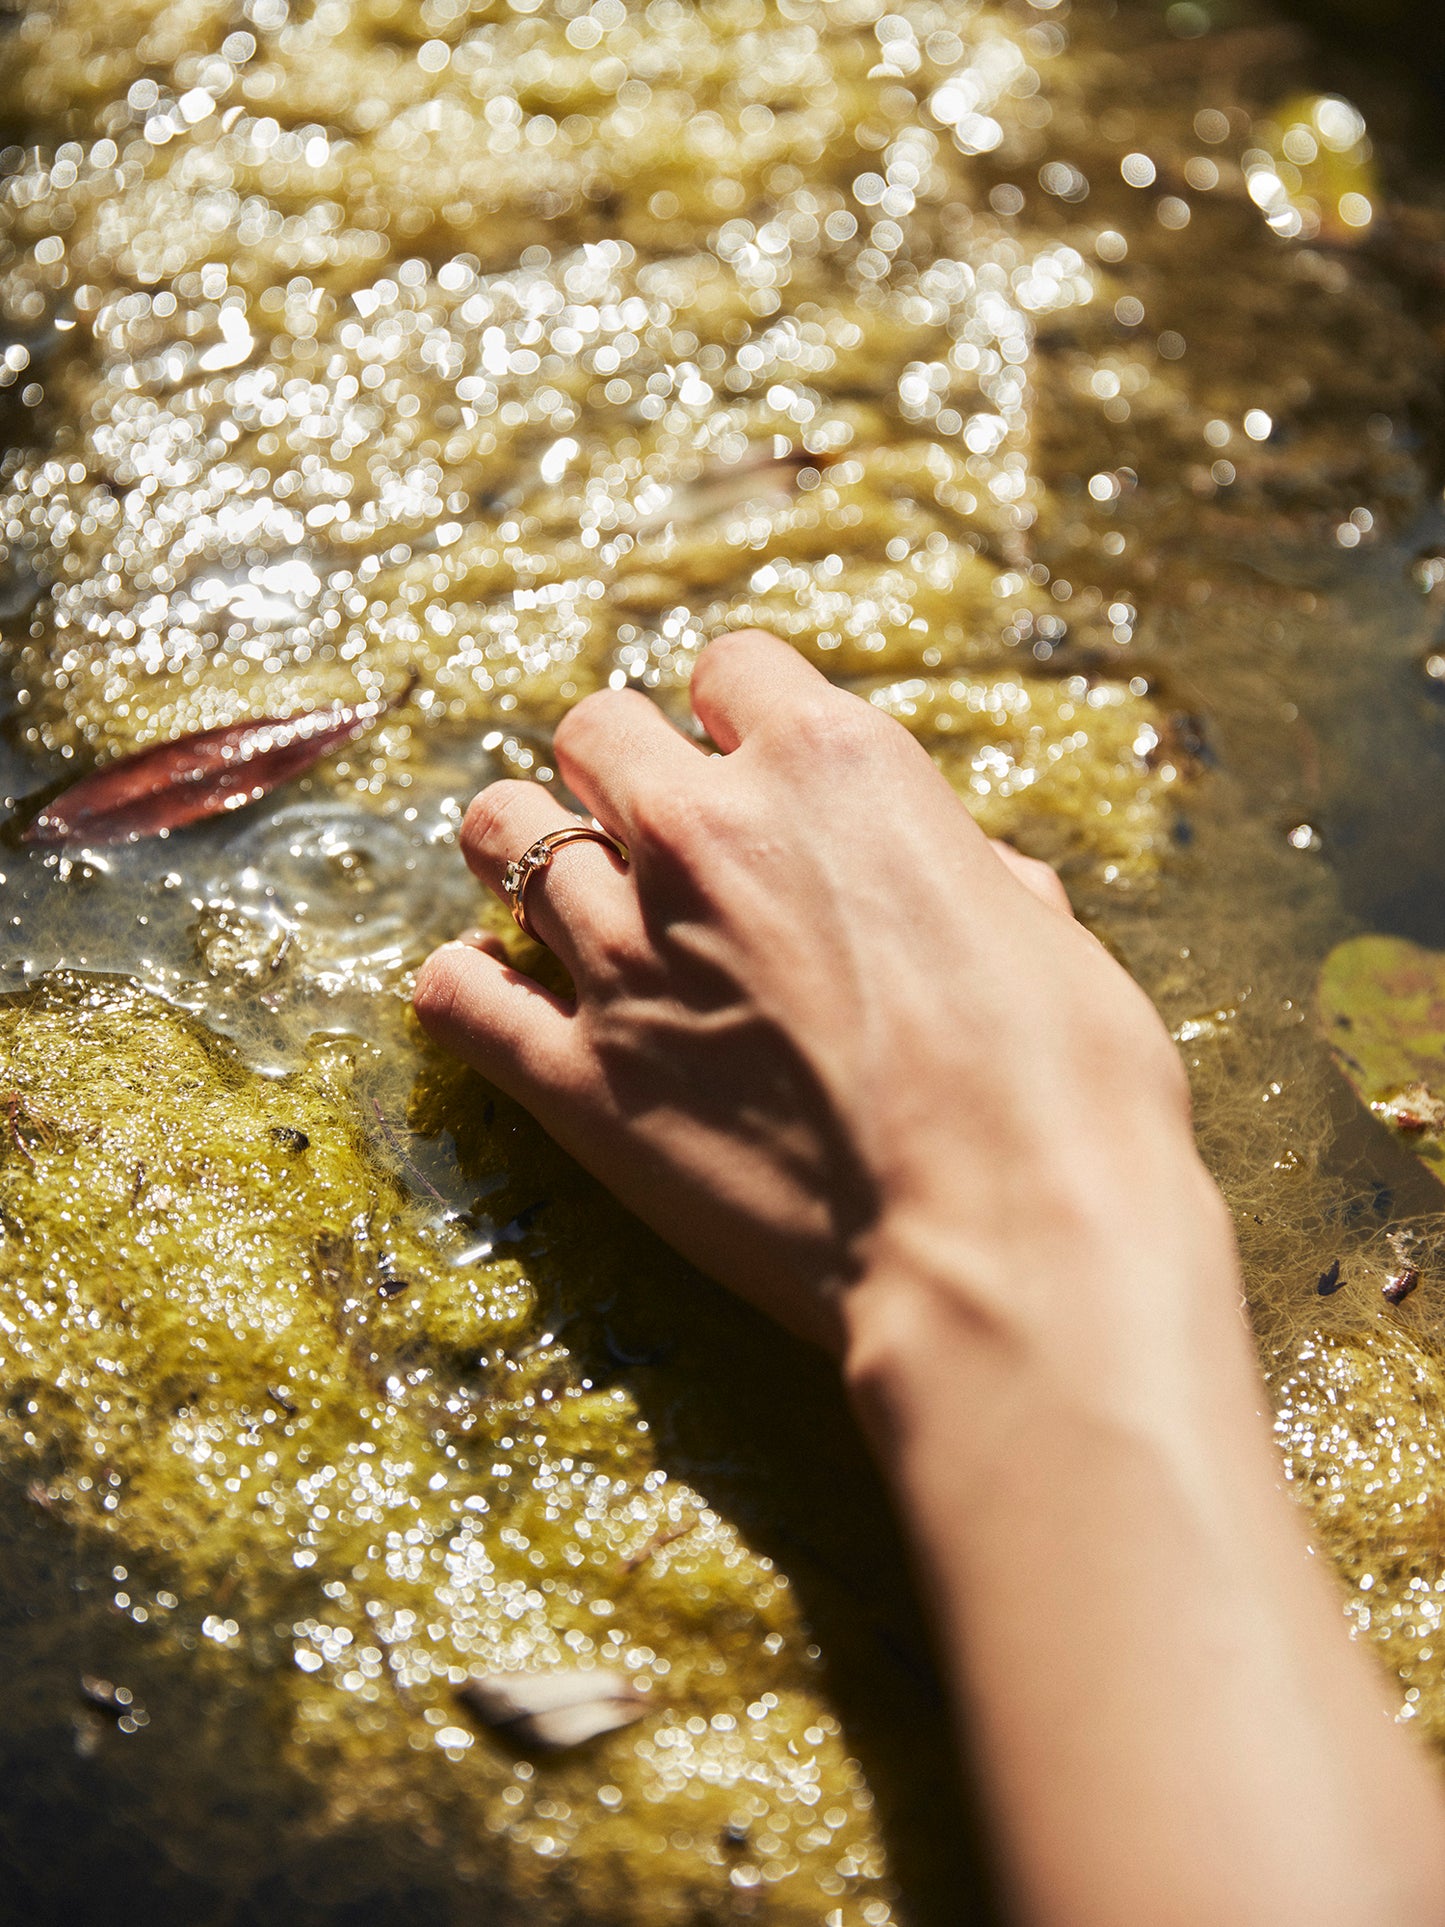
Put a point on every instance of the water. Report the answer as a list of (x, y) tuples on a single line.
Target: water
[(1063, 377)]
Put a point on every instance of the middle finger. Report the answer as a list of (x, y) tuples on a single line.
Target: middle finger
[(616, 747)]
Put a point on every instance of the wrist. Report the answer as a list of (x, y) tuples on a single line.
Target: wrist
[(1118, 1303)]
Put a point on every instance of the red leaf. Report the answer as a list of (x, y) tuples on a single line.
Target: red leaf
[(172, 784)]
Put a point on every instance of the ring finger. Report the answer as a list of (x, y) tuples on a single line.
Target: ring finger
[(581, 901)]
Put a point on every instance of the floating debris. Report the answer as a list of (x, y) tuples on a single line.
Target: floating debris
[(389, 1281), (172, 784), (1398, 1286), (116, 1702), (1330, 1281), (765, 479), (1413, 1110), (555, 1710)]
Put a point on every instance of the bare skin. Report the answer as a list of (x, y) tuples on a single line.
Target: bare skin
[(864, 1067)]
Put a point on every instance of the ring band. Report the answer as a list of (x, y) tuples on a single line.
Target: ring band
[(533, 860)]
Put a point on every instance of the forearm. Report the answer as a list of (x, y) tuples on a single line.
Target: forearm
[(1150, 1665)]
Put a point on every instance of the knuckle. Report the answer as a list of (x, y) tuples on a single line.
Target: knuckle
[(728, 656), (835, 726), (594, 714), (1047, 882), (1174, 1075), (1141, 1040), (614, 958), (667, 818)]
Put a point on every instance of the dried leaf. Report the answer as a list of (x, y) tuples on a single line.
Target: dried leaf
[(554, 1710), (1382, 1007), (172, 784)]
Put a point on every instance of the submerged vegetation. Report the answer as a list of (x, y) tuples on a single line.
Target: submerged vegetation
[(335, 1449), (1057, 376)]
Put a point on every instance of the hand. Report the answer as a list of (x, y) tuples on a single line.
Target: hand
[(817, 1012), (866, 1068)]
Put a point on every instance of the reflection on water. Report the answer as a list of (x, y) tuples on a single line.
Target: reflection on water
[(1065, 378), (338, 892), (257, 922)]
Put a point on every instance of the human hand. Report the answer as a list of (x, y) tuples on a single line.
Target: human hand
[(864, 1066), (818, 1014)]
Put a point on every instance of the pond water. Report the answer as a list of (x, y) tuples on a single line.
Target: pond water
[(1063, 376)]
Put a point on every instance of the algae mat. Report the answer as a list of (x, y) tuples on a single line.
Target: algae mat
[(1063, 378)]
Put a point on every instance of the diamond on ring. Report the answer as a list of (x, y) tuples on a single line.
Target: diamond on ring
[(520, 871)]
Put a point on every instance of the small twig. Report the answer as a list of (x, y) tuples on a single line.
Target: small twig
[(656, 1543), (400, 1149)]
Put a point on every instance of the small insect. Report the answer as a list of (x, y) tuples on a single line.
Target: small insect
[(389, 1281), (335, 1256), (767, 478), (1330, 1281), (401, 1151), (1398, 1286), (196, 776), (656, 1544), (289, 1138)]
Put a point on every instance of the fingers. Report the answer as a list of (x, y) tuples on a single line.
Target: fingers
[(1034, 876), (501, 1023), (749, 678), (612, 746), (582, 899)]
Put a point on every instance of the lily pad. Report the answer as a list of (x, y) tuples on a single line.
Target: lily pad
[(1382, 1008)]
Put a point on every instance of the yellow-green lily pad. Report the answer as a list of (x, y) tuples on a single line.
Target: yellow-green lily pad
[(1382, 1006)]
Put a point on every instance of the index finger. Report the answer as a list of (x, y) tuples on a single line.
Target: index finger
[(741, 681)]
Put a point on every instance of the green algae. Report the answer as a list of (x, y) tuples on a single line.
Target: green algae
[(1079, 772), (311, 335), (228, 1346), (1362, 1425), (325, 386)]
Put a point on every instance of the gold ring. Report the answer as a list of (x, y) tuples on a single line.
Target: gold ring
[(533, 860)]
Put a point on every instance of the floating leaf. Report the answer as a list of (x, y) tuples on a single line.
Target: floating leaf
[(1382, 1005), (554, 1710), (172, 784)]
